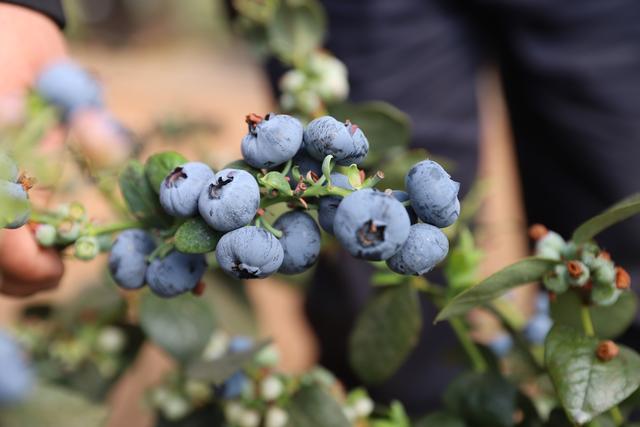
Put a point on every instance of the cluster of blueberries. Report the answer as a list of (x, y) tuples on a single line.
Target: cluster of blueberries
[(370, 224)]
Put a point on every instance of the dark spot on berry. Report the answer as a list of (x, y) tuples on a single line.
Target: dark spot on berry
[(176, 176), (244, 272), (370, 234), (215, 189), (192, 268)]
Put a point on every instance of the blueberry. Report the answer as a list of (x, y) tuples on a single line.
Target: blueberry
[(434, 195), (180, 190), (229, 200), (69, 87), (128, 258), (345, 141), (425, 247), (537, 328), (15, 208), (305, 164), (371, 224), (234, 385), (542, 303), (271, 141), (8, 168), (249, 253), (328, 205), (16, 377), (403, 196), (240, 344), (501, 345), (300, 241), (175, 274)]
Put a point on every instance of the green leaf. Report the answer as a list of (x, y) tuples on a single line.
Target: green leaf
[(54, 407), (276, 181), (159, 165), (615, 214), (524, 271), (297, 29), (313, 406), (218, 370), (482, 399), (585, 385), (196, 237), (463, 262), (608, 322), (384, 334), (387, 128), (142, 201), (440, 419), (182, 326)]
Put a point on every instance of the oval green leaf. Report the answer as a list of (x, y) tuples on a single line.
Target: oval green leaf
[(385, 333), (585, 385), (195, 237), (219, 370), (141, 200), (615, 214), (182, 326), (297, 29), (159, 165), (313, 406), (522, 272)]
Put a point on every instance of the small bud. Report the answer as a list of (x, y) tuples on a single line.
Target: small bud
[(607, 350), (537, 231), (363, 407), (276, 417), (623, 280), (271, 388)]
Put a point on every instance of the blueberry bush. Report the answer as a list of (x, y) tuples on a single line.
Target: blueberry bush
[(321, 172)]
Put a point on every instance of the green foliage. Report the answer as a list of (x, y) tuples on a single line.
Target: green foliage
[(440, 419), (615, 214), (159, 165), (54, 407), (387, 128), (463, 262), (522, 272), (585, 385), (194, 236), (181, 326), (608, 321), (296, 29), (141, 199), (397, 417), (385, 332), (312, 406)]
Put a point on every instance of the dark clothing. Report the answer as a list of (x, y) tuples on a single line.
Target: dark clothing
[(571, 74), (51, 8)]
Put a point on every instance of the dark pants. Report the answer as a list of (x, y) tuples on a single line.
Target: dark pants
[(571, 74)]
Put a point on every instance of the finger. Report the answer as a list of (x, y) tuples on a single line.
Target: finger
[(21, 257), (19, 289)]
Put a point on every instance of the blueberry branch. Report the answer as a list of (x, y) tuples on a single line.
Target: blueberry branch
[(113, 228), (261, 222)]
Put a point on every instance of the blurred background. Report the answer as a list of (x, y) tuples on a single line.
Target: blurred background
[(174, 73)]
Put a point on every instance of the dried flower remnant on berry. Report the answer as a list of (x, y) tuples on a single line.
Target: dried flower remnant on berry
[(537, 231), (607, 350), (623, 280)]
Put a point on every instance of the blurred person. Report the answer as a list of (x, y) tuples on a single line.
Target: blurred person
[(571, 75)]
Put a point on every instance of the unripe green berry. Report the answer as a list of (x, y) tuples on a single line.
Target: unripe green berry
[(605, 295), (111, 339), (268, 357), (175, 407), (271, 388), (550, 246), (569, 251), (46, 235), (87, 248), (276, 417), (603, 272), (68, 231), (577, 273), (556, 280)]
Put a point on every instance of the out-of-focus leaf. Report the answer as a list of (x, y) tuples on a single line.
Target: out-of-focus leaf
[(158, 166), (463, 262), (615, 214), (312, 406), (219, 370), (142, 201), (296, 29)]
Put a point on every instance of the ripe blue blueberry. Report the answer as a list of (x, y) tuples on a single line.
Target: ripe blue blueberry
[(8, 168), (128, 258), (271, 141), (180, 190), (15, 206), (229, 200), (425, 248), (175, 274), (234, 385), (16, 377), (300, 241), (249, 253), (328, 205), (501, 345), (240, 344), (69, 87), (434, 195), (537, 328), (402, 197), (371, 224), (345, 141), (305, 164)]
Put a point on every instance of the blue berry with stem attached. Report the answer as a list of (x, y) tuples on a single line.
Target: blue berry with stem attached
[(300, 241), (344, 141), (425, 248), (328, 205), (180, 190), (229, 200), (128, 258), (175, 274), (249, 253), (271, 140), (434, 195), (371, 224)]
